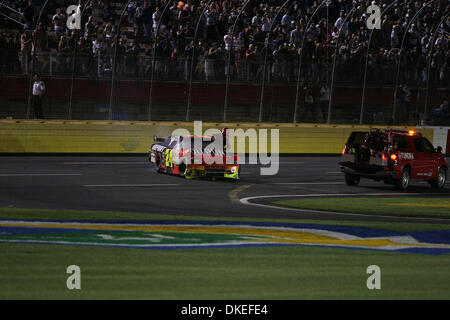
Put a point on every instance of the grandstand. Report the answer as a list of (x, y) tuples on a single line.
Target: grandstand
[(287, 43)]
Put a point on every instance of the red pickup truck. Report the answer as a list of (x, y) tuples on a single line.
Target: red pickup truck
[(394, 156)]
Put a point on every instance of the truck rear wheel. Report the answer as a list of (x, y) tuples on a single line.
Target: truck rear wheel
[(352, 180)]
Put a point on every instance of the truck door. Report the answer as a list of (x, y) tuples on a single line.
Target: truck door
[(425, 158), (406, 153)]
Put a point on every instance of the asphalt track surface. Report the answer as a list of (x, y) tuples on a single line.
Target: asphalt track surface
[(131, 184)]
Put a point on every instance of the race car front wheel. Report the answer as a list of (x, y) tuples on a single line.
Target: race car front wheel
[(403, 183), (440, 182), (352, 180)]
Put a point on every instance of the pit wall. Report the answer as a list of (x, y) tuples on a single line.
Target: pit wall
[(121, 137)]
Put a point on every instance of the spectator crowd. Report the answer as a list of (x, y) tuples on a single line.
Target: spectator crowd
[(268, 37)]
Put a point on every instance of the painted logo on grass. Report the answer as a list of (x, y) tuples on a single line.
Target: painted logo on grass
[(205, 234)]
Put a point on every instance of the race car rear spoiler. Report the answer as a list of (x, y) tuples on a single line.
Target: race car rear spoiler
[(156, 139)]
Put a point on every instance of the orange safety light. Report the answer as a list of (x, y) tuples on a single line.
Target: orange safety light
[(393, 157), (411, 132)]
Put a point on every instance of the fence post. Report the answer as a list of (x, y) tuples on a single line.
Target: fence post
[(33, 57), (300, 61), (425, 111), (394, 106), (188, 108), (227, 81), (69, 112), (150, 98), (334, 65), (113, 65), (74, 65), (363, 99), (261, 104)]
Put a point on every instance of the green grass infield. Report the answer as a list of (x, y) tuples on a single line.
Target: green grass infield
[(402, 207), (38, 271)]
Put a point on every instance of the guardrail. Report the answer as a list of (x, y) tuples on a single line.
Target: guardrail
[(125, 137)]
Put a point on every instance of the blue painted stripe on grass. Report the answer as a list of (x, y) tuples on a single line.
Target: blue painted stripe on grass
[(356, 231), (38, 230), (437, 251), (437, 236), (434, 236)]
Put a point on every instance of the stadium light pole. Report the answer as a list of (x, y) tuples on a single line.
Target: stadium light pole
[(33, 57), (261, 104), (394, 105), (8, 17), (113, 75), (188, 108), (425, 111), (74, 65), (150, 98), (300, 60), (227, 83), (334, 65), (363, 99)]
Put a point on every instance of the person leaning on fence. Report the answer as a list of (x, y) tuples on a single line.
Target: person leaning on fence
[(407, 102), (400, 101), (309, 106), (26, 44), (324, 100), (38, 91)]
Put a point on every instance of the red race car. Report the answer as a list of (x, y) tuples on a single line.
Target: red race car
[(192, 156), (394, 156)]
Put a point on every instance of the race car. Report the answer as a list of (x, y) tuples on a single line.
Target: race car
[(394, 156), (193, 156)]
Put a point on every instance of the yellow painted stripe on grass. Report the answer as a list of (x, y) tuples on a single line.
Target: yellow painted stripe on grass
[(424, 205), (275, 236)]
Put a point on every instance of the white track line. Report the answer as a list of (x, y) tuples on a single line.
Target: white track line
[(109, 162), (132, 185), (38, 174), (246, 201), (307, 183)]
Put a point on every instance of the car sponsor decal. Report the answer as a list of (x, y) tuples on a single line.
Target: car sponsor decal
[(158, 147), (406, 155), (205, 234), (425, 174)]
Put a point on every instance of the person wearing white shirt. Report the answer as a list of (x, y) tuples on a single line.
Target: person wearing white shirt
[(156, 16), (38, 90), (256, 20), (286, 19), (59, 20), (228, 40), (339, 22), (266, 23)]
